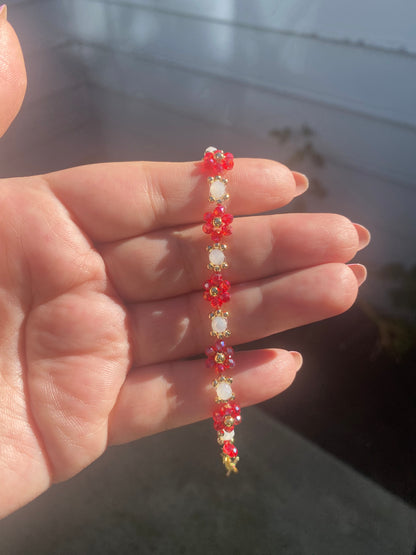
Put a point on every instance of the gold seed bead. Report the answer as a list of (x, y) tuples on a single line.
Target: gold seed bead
[(229, 421), (219, 358)]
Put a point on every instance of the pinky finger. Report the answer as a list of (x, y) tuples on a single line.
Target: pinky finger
[(163, 396)]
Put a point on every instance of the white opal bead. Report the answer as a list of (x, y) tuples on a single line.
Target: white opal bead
[(216, 257), (219, 324), (228, 436), (211, 149), (224, 391), (217, 190)]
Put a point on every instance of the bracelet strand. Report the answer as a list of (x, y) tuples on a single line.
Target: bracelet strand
[(220, 356)]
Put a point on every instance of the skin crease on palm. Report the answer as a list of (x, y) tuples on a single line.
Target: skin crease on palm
[(100, 277)]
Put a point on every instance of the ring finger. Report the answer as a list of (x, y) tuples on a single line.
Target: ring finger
[(178, 327)]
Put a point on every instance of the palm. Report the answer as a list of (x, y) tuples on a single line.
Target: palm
[(100, 270), (70, 348)]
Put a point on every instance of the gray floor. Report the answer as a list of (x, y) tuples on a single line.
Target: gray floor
[(167, 494)]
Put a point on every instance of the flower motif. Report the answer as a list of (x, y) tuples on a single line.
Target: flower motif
[(220, 356), (217, 223), (217, 290), (218, 161), (226, 416)]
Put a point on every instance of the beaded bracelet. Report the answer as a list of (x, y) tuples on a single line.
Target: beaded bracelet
[(220, 356)]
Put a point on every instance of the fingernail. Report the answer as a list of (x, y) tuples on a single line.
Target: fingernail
[(302, 183), (298, 358), (360, 272), (364, 236), (3, 12)]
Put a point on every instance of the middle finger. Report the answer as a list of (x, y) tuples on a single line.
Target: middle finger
[(174, 262)]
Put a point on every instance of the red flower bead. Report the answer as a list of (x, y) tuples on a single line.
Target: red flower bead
[(217, 223), (220, 356), (226, 416), (228, 162), (229, 449), (217, 162), (217, 290)]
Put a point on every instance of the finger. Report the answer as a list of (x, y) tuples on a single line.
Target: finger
[(165, 396), (174, 262), (179, 327), (120, 200), (12, 73)]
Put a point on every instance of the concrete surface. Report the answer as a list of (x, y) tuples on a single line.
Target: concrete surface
[(168, 494)]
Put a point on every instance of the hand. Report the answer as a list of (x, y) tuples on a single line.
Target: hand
[(100, 302)]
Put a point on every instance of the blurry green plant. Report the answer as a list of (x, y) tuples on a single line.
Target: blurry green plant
[(397, 333), (403, 292), (303, 153)]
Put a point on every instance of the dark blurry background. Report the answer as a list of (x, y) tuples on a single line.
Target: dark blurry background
[(327, 87)]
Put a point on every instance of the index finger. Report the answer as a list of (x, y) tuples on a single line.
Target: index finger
[(119, 200)]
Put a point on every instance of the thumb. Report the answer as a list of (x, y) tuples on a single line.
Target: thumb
[(12, 73)]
